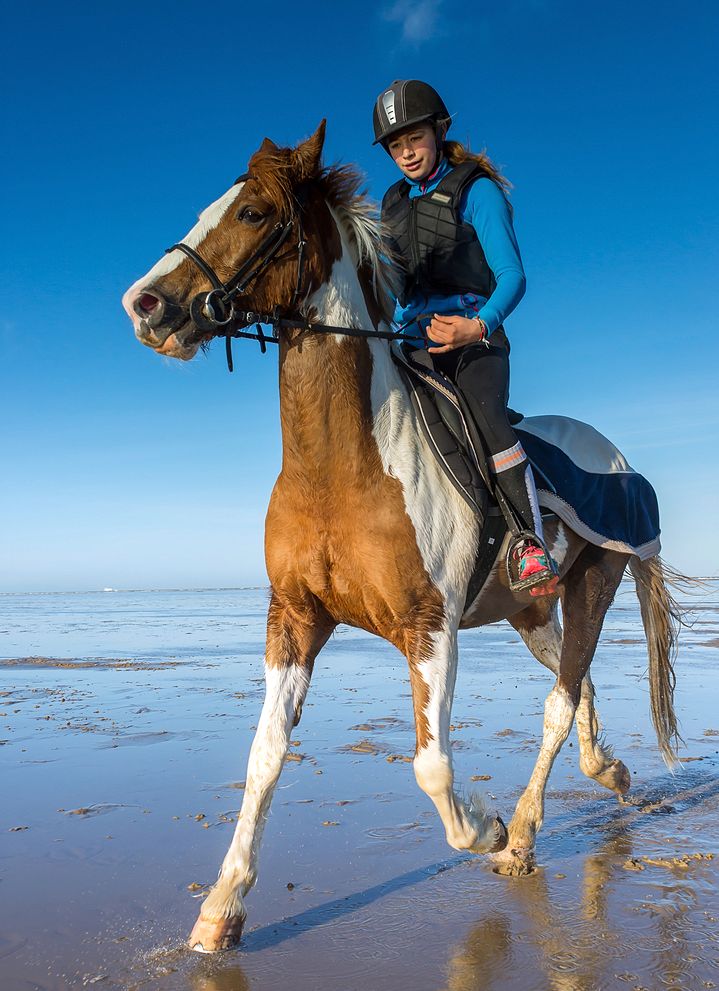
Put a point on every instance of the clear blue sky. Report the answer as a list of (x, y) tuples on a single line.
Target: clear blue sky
[(121, 121)]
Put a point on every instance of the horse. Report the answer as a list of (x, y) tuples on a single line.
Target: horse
[(363, 528)]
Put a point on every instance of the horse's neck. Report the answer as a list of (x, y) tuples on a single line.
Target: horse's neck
[(329, 383)]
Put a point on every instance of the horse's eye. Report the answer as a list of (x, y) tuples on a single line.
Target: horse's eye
[(251, 215)]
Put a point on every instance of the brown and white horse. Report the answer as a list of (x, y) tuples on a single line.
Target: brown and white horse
[(363, 528)]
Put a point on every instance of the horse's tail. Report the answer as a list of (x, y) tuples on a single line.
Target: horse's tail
[(662, 617)]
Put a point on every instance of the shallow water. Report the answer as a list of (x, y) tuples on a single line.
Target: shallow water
[(123, 754)]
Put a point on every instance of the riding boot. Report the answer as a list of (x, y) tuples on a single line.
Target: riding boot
[(529, 563), (514, 476)]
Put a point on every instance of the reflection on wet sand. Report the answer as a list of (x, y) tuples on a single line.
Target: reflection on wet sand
[(649, 938), (228, 979), (617, 924)]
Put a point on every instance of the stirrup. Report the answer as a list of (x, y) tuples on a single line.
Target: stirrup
[(537, 581)]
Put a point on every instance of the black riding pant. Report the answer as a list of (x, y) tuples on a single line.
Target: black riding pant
[(481, 371)]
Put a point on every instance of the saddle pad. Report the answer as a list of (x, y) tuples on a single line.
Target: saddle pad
[(596, 492)]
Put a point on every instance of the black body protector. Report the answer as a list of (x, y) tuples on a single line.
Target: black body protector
[(438, 252), (442, 255)]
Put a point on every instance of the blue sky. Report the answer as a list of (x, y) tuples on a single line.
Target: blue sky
[(123, 469)]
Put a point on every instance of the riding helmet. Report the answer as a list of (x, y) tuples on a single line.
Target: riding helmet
[(404, 103)]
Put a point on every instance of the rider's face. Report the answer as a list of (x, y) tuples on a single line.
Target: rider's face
[(414, 151)]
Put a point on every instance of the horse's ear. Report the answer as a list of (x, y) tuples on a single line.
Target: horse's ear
[(267, 146), (308, 154)]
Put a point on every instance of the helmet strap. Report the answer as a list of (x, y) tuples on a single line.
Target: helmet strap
[(439, 133)]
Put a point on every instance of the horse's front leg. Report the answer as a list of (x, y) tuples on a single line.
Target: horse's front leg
[(433, 668), (294, 638)]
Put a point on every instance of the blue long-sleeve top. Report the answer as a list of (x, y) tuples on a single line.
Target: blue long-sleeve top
[(484, 206)]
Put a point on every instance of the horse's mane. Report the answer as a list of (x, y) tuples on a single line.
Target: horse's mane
[(359, 219), (341, 186)]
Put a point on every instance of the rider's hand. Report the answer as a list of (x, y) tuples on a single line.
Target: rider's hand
[(452, 332)]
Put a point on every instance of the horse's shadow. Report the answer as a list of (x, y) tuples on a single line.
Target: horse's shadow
[(605, 832), (278, 932)]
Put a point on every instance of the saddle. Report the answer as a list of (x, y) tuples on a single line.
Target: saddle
[(581, 477), (450, 431)]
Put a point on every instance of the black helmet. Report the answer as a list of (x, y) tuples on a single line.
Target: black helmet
[(406, 102)]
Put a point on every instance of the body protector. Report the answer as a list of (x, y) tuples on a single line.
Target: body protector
[(439, 254)]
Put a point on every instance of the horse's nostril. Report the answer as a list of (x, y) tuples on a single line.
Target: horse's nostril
[(147, 302)]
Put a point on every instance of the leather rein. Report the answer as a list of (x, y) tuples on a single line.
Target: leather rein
[(216, 312)]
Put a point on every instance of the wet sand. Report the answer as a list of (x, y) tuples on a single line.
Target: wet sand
[(125, 724)]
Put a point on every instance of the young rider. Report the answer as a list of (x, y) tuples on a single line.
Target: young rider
[(450, 228)]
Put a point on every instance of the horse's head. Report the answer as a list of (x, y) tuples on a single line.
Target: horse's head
[(256, 228)]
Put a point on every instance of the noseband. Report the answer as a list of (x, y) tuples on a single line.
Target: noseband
[(215, 312)]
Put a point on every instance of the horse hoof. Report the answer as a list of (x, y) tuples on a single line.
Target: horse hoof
[(616, 777), (491, 840), (517, 862), (502, 836), (211, 935)]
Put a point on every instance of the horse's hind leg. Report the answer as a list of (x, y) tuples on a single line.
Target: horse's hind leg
[(587, 592), (539, 627), (596, 758), (295, 634), (433, 667)]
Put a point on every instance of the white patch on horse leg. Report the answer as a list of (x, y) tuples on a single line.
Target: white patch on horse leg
[(595, 758), (560, 544), (446, 534), (529, 814), (592, 758), (286, 687), (468, 826), (545, 642), (208, 220)]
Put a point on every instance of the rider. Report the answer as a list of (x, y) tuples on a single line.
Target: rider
[(450, 229)]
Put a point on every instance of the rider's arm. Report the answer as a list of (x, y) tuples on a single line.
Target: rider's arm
[(485, 207)]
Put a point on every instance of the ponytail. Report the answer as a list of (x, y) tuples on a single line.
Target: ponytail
[(456, 153)]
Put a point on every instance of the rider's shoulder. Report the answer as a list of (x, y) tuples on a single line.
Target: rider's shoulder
[(483, 193)]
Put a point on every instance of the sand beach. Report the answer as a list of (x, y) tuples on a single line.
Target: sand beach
[(125, 723)]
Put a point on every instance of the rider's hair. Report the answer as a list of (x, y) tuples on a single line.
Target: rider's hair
[(457, 153)]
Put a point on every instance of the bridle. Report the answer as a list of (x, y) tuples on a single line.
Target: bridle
[(216, 312)]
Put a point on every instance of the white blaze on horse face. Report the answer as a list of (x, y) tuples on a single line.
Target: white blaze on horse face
[(208, 220)]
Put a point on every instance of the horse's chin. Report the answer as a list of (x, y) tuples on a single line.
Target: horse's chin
[(173, 347)]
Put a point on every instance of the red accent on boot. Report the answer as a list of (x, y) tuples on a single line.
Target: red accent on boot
[(533, 561)]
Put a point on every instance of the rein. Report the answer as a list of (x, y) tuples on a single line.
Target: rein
[(214, 311)]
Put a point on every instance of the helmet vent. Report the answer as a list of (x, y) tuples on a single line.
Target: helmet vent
[(388, 104)]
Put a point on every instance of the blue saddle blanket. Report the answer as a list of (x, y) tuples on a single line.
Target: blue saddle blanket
[(590, 486)]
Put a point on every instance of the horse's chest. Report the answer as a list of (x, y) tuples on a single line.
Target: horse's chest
[(358, 554)]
